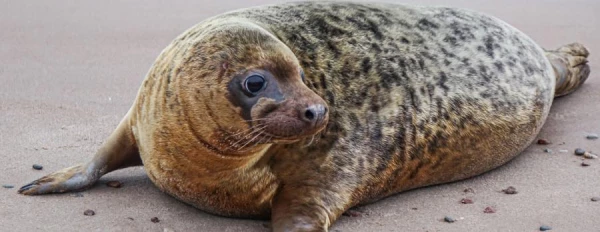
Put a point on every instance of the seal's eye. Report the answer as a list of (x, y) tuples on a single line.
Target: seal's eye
[(255, 84)]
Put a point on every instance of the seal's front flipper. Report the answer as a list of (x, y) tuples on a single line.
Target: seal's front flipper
[(307, 208), (119, 151), (570, 66), (68, 179)]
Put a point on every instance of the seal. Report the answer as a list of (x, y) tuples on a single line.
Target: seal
[(300, 111)]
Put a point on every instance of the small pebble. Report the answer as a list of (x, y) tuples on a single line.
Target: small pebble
[(114, 184), (510, 190), (547, 150), (544, 228), (579, 151), (489, 210), (589, 155), (414, 208), (130, 218), (449, 219), (584, 164), (543, 142), (38, 167), (563, 151), (469, 190), (595, 198), (168, 230), (8, 186), (592, 136), (89, 212), (466, 201), (154, 219)]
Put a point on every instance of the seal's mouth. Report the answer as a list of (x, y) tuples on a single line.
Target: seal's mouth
[(277, 123), (289, 120), (284, 128), (276, 129)]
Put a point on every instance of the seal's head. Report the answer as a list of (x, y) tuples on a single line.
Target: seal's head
[(244, 87)]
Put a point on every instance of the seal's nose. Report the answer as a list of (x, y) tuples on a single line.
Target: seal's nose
[(314, 114)]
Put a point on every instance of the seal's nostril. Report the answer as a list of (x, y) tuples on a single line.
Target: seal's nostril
[(309, 114), (314, 114)]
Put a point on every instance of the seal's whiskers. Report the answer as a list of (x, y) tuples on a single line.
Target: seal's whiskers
[(255, 130)]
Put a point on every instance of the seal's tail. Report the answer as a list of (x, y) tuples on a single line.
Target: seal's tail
[(570, 66)]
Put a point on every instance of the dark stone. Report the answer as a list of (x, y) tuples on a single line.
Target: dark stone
[(449, 219), (89, 212), (510, 190), (466, 201)]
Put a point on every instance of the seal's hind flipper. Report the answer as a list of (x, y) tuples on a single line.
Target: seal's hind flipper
[(119, 151), (570, 66)]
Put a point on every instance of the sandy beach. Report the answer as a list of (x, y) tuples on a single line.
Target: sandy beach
[(70, 70)]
